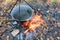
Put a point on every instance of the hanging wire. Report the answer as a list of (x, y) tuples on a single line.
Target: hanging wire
[(19, 15), (14, 5), (11, 10)]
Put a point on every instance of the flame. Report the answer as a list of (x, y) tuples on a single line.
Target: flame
[(33, 23)]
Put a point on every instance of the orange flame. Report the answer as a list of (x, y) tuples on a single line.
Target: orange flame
[(33, 23)]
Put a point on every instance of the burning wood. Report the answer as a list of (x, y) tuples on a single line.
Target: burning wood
[(34, 22)]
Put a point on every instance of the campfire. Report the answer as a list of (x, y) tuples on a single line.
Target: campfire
[(32, 24)]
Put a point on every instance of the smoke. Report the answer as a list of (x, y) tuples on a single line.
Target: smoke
[(31, 35)]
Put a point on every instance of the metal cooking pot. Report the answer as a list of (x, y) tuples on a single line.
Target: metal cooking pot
[(22, 12)]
